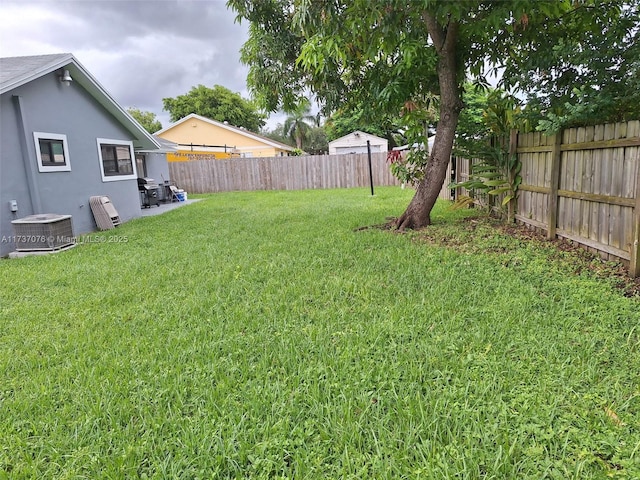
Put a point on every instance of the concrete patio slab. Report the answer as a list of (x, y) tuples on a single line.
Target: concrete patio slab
[(165, 207)]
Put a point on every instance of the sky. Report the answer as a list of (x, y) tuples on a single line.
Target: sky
[(140, 51)]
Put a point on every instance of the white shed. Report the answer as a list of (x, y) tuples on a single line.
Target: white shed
[(356, 142)]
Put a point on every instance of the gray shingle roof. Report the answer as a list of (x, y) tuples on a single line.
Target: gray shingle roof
[(18, 70)]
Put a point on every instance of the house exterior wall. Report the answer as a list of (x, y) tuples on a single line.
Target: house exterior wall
[(355, 149), (197, 132), (51, 107), (357, 143), (157, 167)]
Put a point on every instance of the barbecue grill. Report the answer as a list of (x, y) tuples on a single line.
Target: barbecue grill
[(148, 189)]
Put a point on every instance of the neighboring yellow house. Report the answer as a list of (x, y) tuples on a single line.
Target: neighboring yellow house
[(195, 135)]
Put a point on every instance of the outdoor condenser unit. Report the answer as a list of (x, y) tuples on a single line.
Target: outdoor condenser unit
[(43, 232)]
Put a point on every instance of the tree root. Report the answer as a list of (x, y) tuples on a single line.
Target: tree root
[(407, 221), (403, 222)]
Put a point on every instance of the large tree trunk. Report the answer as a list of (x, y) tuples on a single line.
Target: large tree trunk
[(418, 213)]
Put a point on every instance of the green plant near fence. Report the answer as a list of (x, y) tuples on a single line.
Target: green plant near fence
[(495, 170), (495, 174)]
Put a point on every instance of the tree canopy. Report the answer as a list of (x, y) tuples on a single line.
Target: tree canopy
[(584, 70), (316, 141), (148, 120), (217, 103), (390, 55)]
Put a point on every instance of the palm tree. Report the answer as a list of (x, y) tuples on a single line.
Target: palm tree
[(296, 126)]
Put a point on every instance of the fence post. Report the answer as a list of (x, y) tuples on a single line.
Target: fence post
[(513, 150), (552, 218), (634, 261)]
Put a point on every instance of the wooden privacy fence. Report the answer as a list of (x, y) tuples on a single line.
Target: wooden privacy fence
[(282, 173), (582, 184)]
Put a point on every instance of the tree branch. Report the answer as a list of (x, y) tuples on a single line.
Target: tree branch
[(452, 36), (444, 38), (436, 32)]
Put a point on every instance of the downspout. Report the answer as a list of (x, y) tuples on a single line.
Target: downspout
[(29, 166)]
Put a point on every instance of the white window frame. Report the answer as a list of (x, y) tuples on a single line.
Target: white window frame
[(116, 178), (37, 136)]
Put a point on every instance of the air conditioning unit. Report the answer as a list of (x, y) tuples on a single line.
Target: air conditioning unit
[(43, 232)]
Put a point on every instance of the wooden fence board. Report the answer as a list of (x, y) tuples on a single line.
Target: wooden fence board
[(581, 205), (605, 188), (634, 243), (533, 159), (552, 198), (616, 234), (571, 159), (587, 186)]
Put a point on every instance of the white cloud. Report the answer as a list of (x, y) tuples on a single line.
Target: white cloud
[(141, 51)]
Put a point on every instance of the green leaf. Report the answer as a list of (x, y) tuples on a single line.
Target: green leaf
[(492, 175), (507, 199), (517, 182), (483, 168), (495, 183), (518, 168)]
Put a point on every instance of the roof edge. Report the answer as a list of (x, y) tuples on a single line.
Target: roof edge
[(61, 60), (358, 132)]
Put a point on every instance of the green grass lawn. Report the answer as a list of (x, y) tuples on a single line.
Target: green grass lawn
[(263, 335)]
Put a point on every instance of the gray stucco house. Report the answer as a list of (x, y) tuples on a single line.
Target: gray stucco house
[(63, 139)]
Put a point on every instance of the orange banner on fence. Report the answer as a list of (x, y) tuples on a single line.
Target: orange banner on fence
[(195, 156)]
